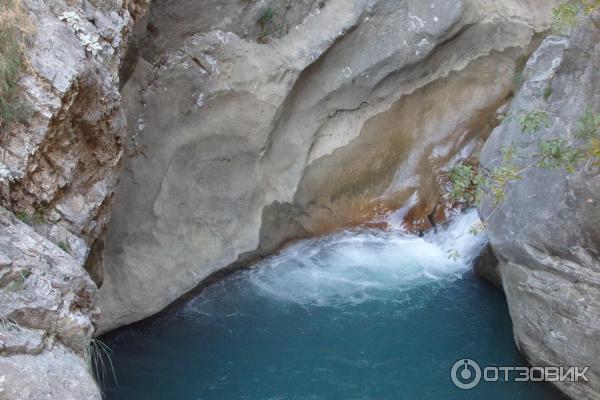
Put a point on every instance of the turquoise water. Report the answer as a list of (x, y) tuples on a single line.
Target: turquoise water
[(358, 315)]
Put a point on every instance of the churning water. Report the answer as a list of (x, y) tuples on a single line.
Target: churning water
[(363, 314)]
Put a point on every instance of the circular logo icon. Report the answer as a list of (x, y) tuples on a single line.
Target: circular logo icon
[(465, 374)]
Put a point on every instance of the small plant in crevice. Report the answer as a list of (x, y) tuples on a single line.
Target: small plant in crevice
[(566, 16), (547, 93), (25, 273), (23, 217), (557, 153), (496, 180), (593, 152), (464, 186), (588, 125), (468, 185), (267, 17), (39, 216), (532, 121), (588, 129), (269, 27), (64, 246)]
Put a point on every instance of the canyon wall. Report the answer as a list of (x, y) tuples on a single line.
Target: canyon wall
[(241, 126), (252, 127), (546, 232), (60, 163)]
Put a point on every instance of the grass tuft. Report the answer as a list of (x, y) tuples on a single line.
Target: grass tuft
[(15, 31), (64, 246), (97, 358)]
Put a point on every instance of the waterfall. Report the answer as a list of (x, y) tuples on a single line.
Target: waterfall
[(359, 265)]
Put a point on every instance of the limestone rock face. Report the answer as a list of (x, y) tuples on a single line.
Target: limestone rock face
[(59, 168), (546, 233), (47, 306), (237, 146), (54, 374), (63, 159)]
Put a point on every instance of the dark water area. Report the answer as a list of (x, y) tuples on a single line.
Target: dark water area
[(357, 315)]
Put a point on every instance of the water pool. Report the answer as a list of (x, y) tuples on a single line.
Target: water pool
[(362, 314)]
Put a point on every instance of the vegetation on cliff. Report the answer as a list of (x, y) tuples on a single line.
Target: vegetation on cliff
[(14, 32), (468, 184)]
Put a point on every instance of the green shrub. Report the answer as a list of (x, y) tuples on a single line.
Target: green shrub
[(588, 126), (469, 185), (498, 179), (267, 17), (565, 17), (532, 121), (593, 152), (462, 178), (557, 153)]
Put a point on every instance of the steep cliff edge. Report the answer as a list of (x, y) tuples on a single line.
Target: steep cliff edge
[(248, 129), (546, 232), (59, 165)]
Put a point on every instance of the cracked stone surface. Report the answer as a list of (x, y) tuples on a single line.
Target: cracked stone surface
[(60, 166)]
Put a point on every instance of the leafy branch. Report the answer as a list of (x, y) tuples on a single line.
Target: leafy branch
[(469, 185)]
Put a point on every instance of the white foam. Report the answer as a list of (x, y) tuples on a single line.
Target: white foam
[(352, 267)]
